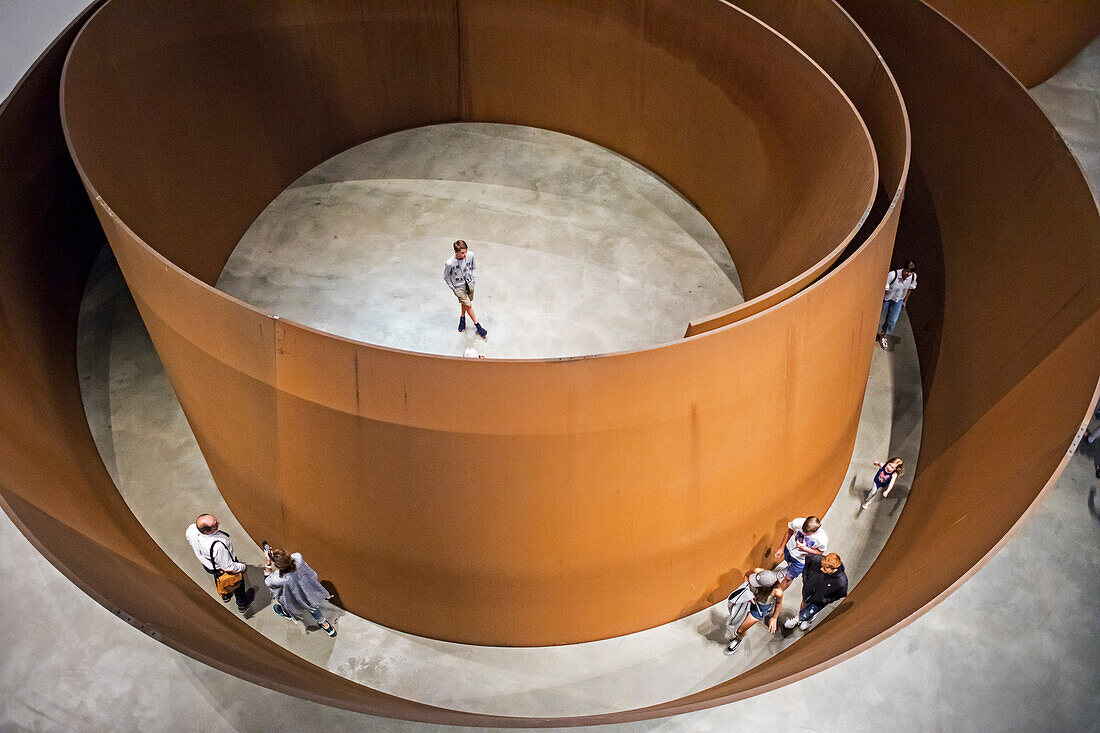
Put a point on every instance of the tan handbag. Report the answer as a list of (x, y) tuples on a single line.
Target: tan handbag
[(225, 582)]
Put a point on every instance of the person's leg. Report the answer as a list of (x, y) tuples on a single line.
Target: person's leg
[(470, 309), (793, 620), (322, 621), (243, 595), (747, 624), (870, 495), (808, 611), (882, 318), (794, 569), (892, 317)]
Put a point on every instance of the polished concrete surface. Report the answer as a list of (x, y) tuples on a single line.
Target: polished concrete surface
[(152, 455), (579, 250), (1015, 648)]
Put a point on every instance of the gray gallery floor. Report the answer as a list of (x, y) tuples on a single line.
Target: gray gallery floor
[(1015, 648)]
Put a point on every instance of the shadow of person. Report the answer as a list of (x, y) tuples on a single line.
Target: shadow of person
[(713, 627), (254, 578), (334, 595), (1092, 504)]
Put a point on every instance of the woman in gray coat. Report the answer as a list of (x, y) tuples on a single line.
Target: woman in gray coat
[(295, 588)]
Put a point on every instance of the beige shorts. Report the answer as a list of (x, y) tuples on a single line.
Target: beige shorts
[(465, 294)]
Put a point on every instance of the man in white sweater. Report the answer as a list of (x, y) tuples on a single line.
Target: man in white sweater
[(214, 550), (460, 274)]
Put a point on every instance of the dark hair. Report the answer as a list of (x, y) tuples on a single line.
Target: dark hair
[(910, 266), (811, 522), (460, 245)]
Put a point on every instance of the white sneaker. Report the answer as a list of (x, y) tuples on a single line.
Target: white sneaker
[(804, 625), (732, 646), (791, 622), (865, 504)]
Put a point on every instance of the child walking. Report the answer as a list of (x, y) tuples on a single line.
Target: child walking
[(885, 478)]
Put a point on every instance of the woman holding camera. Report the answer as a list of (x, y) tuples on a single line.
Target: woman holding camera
[(295, 588)]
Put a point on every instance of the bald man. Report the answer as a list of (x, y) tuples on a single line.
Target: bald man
[(214, 550)]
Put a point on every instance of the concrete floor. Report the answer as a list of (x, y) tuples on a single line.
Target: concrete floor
[(152, 455), (579, 250), (1014, 649)]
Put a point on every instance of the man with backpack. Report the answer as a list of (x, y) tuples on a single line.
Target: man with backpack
[(899, 283), (214, 550)]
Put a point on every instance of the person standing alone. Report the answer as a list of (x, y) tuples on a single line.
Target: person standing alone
[(460, 274), (899, 283), (214, 550)]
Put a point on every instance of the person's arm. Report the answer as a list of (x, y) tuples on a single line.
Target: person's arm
[(893, 478), (447, 273), (773, 619), (807, 549), (471, 269), (839, 593), (911, 288), (225, 561), (783, 542), (877, 464)]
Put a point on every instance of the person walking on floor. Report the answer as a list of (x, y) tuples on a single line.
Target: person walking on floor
[(823, 582), (899, 283), (295, 588), (757, 599), (460, 274), (804, 537), (214, 550), (884, 480)]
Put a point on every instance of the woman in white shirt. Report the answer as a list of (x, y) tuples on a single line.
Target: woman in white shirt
[(899, 283)]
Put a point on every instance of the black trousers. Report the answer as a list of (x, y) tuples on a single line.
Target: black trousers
[(238, 593)]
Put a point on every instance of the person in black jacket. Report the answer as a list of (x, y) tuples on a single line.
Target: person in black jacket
[(823, 582)]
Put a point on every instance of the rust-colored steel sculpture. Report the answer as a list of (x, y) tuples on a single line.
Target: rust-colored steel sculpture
[(1007, 381), (1032, 38), (596, 479)]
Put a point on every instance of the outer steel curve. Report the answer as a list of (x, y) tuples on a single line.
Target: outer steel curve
[(1006, 390), (1032, 38)]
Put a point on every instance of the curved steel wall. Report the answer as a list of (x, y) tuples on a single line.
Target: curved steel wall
[(1032, 38), (1007, 380), (592, 483)]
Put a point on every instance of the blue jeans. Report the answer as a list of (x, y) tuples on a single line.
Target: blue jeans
[(891, 311), (315, 612), (809, 611)]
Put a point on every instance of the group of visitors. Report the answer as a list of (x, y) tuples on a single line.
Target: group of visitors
[(294, 586), (760, 597)]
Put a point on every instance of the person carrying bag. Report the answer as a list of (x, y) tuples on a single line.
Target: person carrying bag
[(205, 538), (225, 582)]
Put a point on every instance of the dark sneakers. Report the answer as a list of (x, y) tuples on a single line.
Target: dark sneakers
[(462, 323), (249, 595), (481, 331)]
